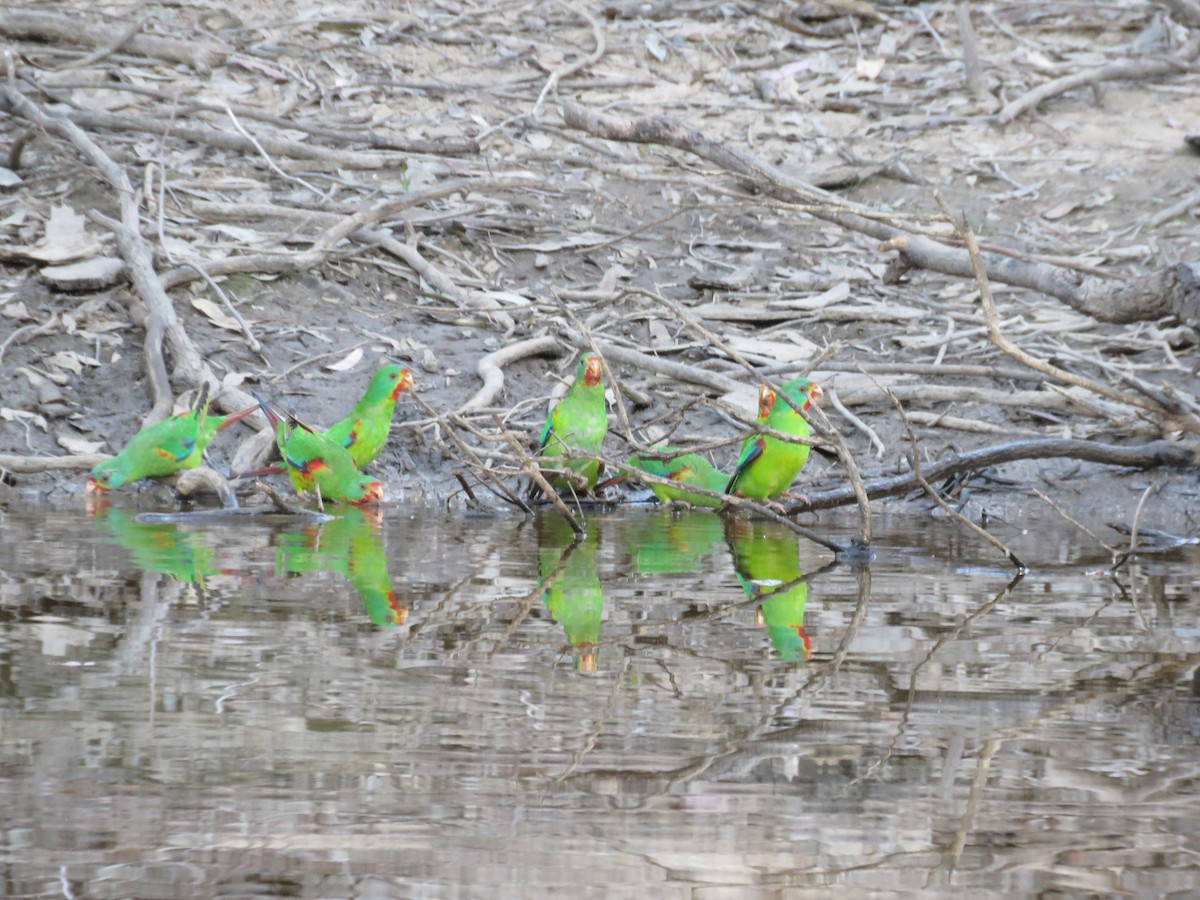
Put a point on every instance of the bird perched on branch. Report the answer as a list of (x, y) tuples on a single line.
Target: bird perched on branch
[(768, 465), (685, 469), (576, 425)]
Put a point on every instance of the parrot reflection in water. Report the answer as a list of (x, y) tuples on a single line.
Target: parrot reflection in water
[(671, 542), (161, 547), (572, 592), (766, 560), (351, 545)]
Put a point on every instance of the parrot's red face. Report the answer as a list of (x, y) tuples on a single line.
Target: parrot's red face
[(404, 381), (373, 494), (766, 401), (593, 371), (95, 488)]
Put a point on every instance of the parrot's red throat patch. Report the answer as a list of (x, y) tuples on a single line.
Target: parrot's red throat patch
[(405, 382), (593, 372)]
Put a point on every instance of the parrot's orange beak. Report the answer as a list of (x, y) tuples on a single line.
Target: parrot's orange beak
[(374, 493), (814, 394), (587, 661), (593, 371), (399, 610), (766, 401), (93, 488), (405, 382)]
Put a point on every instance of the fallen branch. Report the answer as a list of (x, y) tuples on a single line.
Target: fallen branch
[(214, 137), (1122, 70), (996, 336), (55, 29), (1171, 291), (162, 321), (31, 465), (1145, 456)]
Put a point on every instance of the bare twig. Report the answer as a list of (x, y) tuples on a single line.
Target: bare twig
[(108, 49), (531, 468), (486, 473), (570, 69), (915, 461), (233, 310), (996, 336), (1058, 509), (858, 423), (267, 156), (1122, 70), (856, 482), (25, 332)]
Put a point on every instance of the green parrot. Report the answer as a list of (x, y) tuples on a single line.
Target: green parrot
[(687, 468), (766, 561), (573, 593), (318, 465), (164, 448), (577, 424), (365, 430), (768, 465), (352, 545)]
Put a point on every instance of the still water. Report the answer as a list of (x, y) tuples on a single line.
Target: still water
[(453, 706)]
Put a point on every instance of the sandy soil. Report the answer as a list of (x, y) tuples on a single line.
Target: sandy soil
[(555, 226)]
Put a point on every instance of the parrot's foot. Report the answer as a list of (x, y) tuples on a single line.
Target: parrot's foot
[(797, 498)]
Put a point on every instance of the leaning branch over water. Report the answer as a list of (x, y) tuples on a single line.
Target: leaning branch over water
[(1156, 454)]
